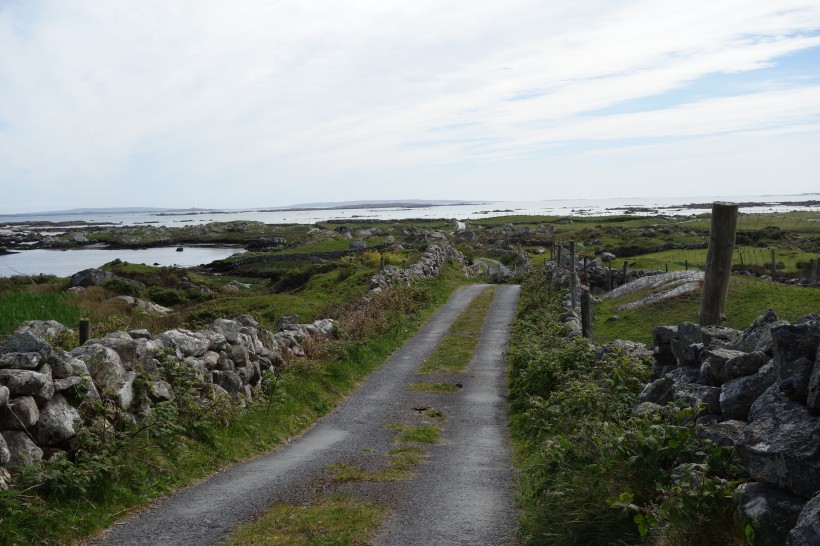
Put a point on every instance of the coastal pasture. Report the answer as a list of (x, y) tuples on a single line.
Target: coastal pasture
[(748, 298)]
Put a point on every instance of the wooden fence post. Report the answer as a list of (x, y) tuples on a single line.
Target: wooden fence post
[(85, 330), (572, 277), (625, 261), (586, 314), (814, 270), (718, 264), (558, 254), (686, 264)]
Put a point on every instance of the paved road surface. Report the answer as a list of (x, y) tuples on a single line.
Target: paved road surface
[(463, 494)]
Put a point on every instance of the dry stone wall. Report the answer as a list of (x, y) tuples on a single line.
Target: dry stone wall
[(759, 391), (43, 388)]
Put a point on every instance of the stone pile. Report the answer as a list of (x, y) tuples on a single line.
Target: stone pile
[(429, 265), (759, 391), (42, 388)]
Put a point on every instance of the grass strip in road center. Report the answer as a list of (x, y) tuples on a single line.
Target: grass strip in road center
[(455, 351), (437, 388), (337, 519)]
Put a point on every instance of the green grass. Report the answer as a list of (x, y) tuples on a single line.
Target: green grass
[(336, 520), (417, 434), (17, 307), (438, 388), (456, 350), (748, 297)]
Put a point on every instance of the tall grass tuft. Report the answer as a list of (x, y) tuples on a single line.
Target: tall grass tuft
[(21, 306)]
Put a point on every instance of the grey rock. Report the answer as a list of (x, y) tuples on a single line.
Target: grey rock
[(22, 451), (723, 433), (683, 375), (103, 364), (692, 395), (185, 342), (123, 344), (42, 328), (21, 361), (228, 380), (238, 354), (758, 336), (141, 333), (64, 384), (745, 364), (211, 359), (58, 422), (160, 391), (719, 336), (715, 361), (90, 277), (286, 322), (658, 392), (795, 341), (26, 342), (770, 511), (5, 455), (662, 337), (46, 391), (617, 347), (4, 395), (813, 398), (357, 244), (23, 382), (782, 444), (228, 328), (793, 378), (807, 530), (247, 321), (738, 395), (125, 394)]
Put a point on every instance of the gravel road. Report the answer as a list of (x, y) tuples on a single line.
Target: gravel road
[(462, 494)]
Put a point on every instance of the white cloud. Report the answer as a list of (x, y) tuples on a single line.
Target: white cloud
[(275, 101)]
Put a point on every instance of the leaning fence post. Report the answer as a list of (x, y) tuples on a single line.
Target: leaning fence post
[(814, 270), (586, 314), (718, 264), (85, 330)]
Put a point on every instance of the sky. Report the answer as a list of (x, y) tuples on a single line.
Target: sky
[(258, 103)]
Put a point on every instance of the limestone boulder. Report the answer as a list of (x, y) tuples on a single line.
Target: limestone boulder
[(21, 361), (90, 277), (185, 342), (43, 328), (781, 445), (807, 529), (23, 382), (770, 511), (160, 391), (19, 414), (758, 336), (26, 342), (4, 395), (5, 454), (123, 344), (693, 395), (22, 450), (228, 328), (658, 392), (738, 395), (723, 433), (103, 365), (58, 422)]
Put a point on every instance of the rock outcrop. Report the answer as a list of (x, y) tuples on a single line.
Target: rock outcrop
[(756, 390)]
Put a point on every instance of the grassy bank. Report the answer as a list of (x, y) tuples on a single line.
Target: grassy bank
[(590, 471), (116, 469)]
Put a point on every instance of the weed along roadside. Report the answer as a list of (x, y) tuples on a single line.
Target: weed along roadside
[(707, 438), (129, 417)]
